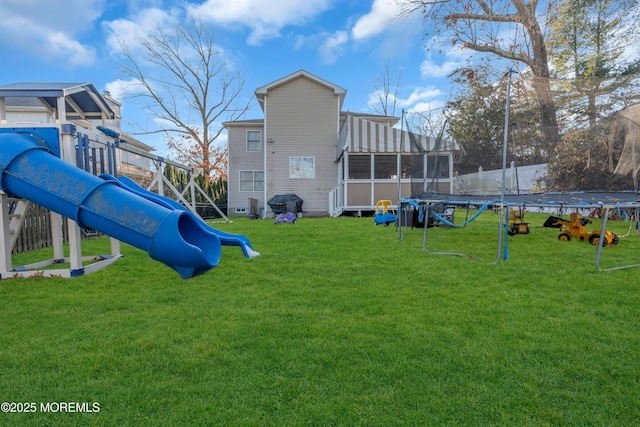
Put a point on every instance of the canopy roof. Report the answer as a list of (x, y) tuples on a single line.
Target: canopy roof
[(359, 135), (81, 100)]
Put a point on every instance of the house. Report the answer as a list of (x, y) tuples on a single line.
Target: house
[(335, 161)]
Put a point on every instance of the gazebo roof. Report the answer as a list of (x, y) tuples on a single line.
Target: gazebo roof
[(82, 100)]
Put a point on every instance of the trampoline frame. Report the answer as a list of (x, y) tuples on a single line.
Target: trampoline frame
[(605, 201), (578, 200)]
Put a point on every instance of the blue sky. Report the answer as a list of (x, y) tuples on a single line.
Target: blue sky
[(347, 42)]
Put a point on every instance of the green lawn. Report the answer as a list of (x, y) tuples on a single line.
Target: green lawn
[(336, 323)]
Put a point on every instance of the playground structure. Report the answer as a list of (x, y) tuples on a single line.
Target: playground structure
[(68, 166)]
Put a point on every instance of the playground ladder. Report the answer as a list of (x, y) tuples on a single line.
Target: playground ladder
[(17, 215)]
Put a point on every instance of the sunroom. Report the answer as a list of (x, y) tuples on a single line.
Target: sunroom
[(381, 162)]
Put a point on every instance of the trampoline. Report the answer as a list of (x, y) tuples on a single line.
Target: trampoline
[(425, 204), (429, 200)]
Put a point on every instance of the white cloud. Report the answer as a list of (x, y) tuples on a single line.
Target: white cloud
[(73, 53), (394, 32), (51, 30), (430, 69), (420, 95), (426, 108), (382, 13), (332, 46), (119, 89), (131, 30), (446, 62), (421, 99), (265, 18)]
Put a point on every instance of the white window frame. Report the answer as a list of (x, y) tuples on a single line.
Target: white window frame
[(253, 141), (253, 172), (302, 167)]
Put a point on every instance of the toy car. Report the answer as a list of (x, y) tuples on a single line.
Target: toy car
[(576, 227)]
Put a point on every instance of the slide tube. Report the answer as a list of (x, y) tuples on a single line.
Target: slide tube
[(30, 171), (226, 239)]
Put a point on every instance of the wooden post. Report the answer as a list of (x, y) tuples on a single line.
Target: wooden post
[(75, 235), (193, 191), (160, 177), (5, 236), (57, 238)]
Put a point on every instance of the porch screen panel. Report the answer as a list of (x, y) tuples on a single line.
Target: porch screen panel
[(360, 167), (385, 166), (412, 169)]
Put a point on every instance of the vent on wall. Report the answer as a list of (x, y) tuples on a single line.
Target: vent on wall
[(241, 210)]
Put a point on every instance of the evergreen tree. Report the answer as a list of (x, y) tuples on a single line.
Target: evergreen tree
[(476, 120), (588, 42)]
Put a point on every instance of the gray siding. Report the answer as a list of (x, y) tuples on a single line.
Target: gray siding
[(301, 118), (240, 159)]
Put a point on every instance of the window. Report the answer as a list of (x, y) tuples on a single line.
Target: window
[(251, 180), (385, 166), (302, 167), (254, 141), (360, 167), (438, 166)]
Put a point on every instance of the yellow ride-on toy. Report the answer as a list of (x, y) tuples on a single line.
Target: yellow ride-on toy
[(576, 227), (516, 222)]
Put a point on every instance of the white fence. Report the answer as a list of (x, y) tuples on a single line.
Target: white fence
[(523, 179)]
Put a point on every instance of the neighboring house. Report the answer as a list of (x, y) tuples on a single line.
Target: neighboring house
[(335, 161), (33, 104)]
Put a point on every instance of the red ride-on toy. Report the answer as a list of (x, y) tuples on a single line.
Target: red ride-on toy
[(576, 227)]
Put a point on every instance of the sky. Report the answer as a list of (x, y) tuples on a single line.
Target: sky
[(346, 42)]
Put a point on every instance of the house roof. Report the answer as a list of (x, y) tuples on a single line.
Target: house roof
[(388, 120), (247, 123), (262, 91), (81, 99)]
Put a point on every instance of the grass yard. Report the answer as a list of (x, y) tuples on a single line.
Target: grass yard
[(336, 323)]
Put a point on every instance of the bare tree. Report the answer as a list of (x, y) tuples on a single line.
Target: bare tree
[(508, 29), (430, 123), (386, 88), (190, 89)]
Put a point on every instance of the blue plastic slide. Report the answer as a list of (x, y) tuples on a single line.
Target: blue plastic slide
[(29, 170), (227, 239)]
